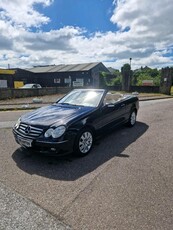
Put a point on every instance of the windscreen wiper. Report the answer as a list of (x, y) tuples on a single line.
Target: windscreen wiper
[(64, 103)]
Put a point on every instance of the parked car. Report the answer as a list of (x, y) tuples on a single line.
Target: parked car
[(73, 122), (31, 86)]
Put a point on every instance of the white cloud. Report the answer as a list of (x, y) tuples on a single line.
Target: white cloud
[(145, 34), (22, 13), (150, 21), (149, 26)]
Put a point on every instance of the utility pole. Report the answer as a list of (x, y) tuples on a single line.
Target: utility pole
[(130, 76), (130, 62)]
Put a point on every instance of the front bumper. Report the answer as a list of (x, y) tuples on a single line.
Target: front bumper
[(47, 146)]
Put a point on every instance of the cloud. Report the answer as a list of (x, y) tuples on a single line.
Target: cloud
[(149, 27), (52, 40), (5, 43), (145, 34), (22, 13), (150, 21)]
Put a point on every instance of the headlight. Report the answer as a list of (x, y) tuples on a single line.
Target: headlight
[(59, 131), (55, 133), (48, 133)]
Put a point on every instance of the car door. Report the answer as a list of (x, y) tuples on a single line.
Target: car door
[(110, 115)]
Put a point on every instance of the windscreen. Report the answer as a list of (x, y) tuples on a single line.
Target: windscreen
[(83, 98)]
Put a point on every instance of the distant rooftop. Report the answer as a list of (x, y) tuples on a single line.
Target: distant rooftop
[(63, 68)]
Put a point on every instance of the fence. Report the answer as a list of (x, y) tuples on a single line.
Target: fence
[(19, 93), (145, 89), (139, 89)]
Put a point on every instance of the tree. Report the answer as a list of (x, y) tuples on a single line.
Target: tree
[(146, 73), (107, 79)]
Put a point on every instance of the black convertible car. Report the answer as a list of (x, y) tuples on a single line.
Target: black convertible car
[(72, 123)]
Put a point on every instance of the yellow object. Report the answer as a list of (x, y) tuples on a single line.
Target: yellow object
[(171, 90), (7, 71), (18, 84)]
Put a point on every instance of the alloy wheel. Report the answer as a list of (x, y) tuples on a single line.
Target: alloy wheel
[(85, 142)]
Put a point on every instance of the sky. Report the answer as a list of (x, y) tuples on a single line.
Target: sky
[(48, 32)]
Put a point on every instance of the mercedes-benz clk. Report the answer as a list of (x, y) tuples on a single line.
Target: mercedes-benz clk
[(74, 121)]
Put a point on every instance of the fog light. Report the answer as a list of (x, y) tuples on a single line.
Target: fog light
[(53, 149)]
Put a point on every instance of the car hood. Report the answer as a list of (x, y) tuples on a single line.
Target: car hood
[(59, 114)]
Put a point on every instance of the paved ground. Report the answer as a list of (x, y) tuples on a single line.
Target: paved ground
[(125, 183), (27, 102), (16, 212)]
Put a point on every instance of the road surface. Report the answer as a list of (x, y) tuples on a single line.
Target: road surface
[(124, 183)]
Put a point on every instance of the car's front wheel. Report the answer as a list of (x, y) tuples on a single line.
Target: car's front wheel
[(84, 142), (132, 119)]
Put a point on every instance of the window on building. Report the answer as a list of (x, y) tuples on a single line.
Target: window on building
[(57, 80)]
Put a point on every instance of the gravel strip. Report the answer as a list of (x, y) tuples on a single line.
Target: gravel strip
[(23, 214)]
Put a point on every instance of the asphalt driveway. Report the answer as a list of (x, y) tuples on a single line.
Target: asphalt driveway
[(124, 183)]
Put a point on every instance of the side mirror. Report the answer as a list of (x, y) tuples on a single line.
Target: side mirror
[(105, 107)]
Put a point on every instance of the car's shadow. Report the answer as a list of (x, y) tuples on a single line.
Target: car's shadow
[(70, 168)]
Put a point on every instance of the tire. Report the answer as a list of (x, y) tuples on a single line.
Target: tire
[(132, 119), (84, 142)]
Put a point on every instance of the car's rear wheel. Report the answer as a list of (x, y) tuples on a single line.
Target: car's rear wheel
[(132, 119), (84, 142)]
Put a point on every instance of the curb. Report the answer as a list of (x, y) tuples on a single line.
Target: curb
[(17, 109), (152, 99)]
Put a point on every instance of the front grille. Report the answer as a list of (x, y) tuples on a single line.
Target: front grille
[(29, 131)]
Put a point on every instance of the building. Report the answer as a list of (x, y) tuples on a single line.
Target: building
[(15, 78), (74, 75), (6, 78)]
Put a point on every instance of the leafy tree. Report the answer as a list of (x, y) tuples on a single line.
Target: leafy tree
[(107, 79), (146, 73), (117, 80), (102, 79)]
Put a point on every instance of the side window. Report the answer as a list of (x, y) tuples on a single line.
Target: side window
[(112, 98), (108, 99)]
